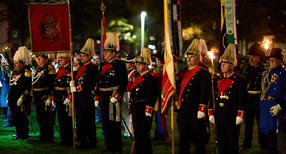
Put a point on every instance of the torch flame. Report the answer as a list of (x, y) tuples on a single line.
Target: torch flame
[(266, 45), (211, 54)]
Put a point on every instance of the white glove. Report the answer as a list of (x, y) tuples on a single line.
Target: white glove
[(73, 89), (275, 109), (48, 102), (19, 102), (211, 119), (239, 120), (96, 103), (200, 115), (72, 84), (113, 100), (54, 104), (130, 117), (75, 68), (67, 101), (7, 102), (148, 114)]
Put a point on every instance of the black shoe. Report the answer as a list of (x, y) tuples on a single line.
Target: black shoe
[(69, 144), (8, 125), (245, 147), (263, 148), (46, 141), (23, 138), (15, 138), (61, 143), (83, 146), (3, 116), (107, 150)]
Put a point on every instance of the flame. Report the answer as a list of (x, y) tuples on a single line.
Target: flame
[(266, 44), (211, 55), (267, 40)]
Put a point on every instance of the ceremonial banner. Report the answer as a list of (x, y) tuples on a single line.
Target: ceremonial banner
[(230, 21), (178, 35), (49, 29), (168, 83)]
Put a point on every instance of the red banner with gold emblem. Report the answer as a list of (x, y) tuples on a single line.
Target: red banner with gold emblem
[(49, 29)]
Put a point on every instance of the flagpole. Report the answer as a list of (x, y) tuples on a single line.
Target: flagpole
[(221, 14), (102, 7), (70, 37), (172, 125)]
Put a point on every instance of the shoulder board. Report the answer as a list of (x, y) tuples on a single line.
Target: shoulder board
[(239, 75), (121, 60), (151, 73), (27, 73), (203, 68), (52, 71), (210, 70), (50, 67), (264, 73)]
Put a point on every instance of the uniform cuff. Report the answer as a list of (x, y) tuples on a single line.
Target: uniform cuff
[(117, 96), (211, 112), (96, 98), (148, 109), (240, 113), (69, 96), (202, 108), (129, 106), (78, 88)]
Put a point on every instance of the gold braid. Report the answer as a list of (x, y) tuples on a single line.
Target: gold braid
[(268, 86)]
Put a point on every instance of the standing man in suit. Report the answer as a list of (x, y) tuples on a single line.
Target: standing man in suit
[(143, 97), (111, 85), (83, 86), (20, 87), (230, 100), (252, 74), (194, 89)]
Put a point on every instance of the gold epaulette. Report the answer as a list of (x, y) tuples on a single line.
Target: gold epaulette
[(50, 67), (210, 70), (28, 73), (52, 71)]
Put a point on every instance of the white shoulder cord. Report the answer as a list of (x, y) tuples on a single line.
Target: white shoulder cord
[(15, 80), (36, 78)]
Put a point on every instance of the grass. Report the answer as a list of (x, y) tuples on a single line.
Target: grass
[(31, 146), (159, 147)]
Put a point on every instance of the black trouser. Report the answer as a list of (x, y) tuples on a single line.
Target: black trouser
[(252, 110), (20, 121), (111, 130), (228, 138), (4, 110), (65, 122), (86, 130), (272, 142), (191, 128), (272, 138), (142, 127), (44, 117)]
